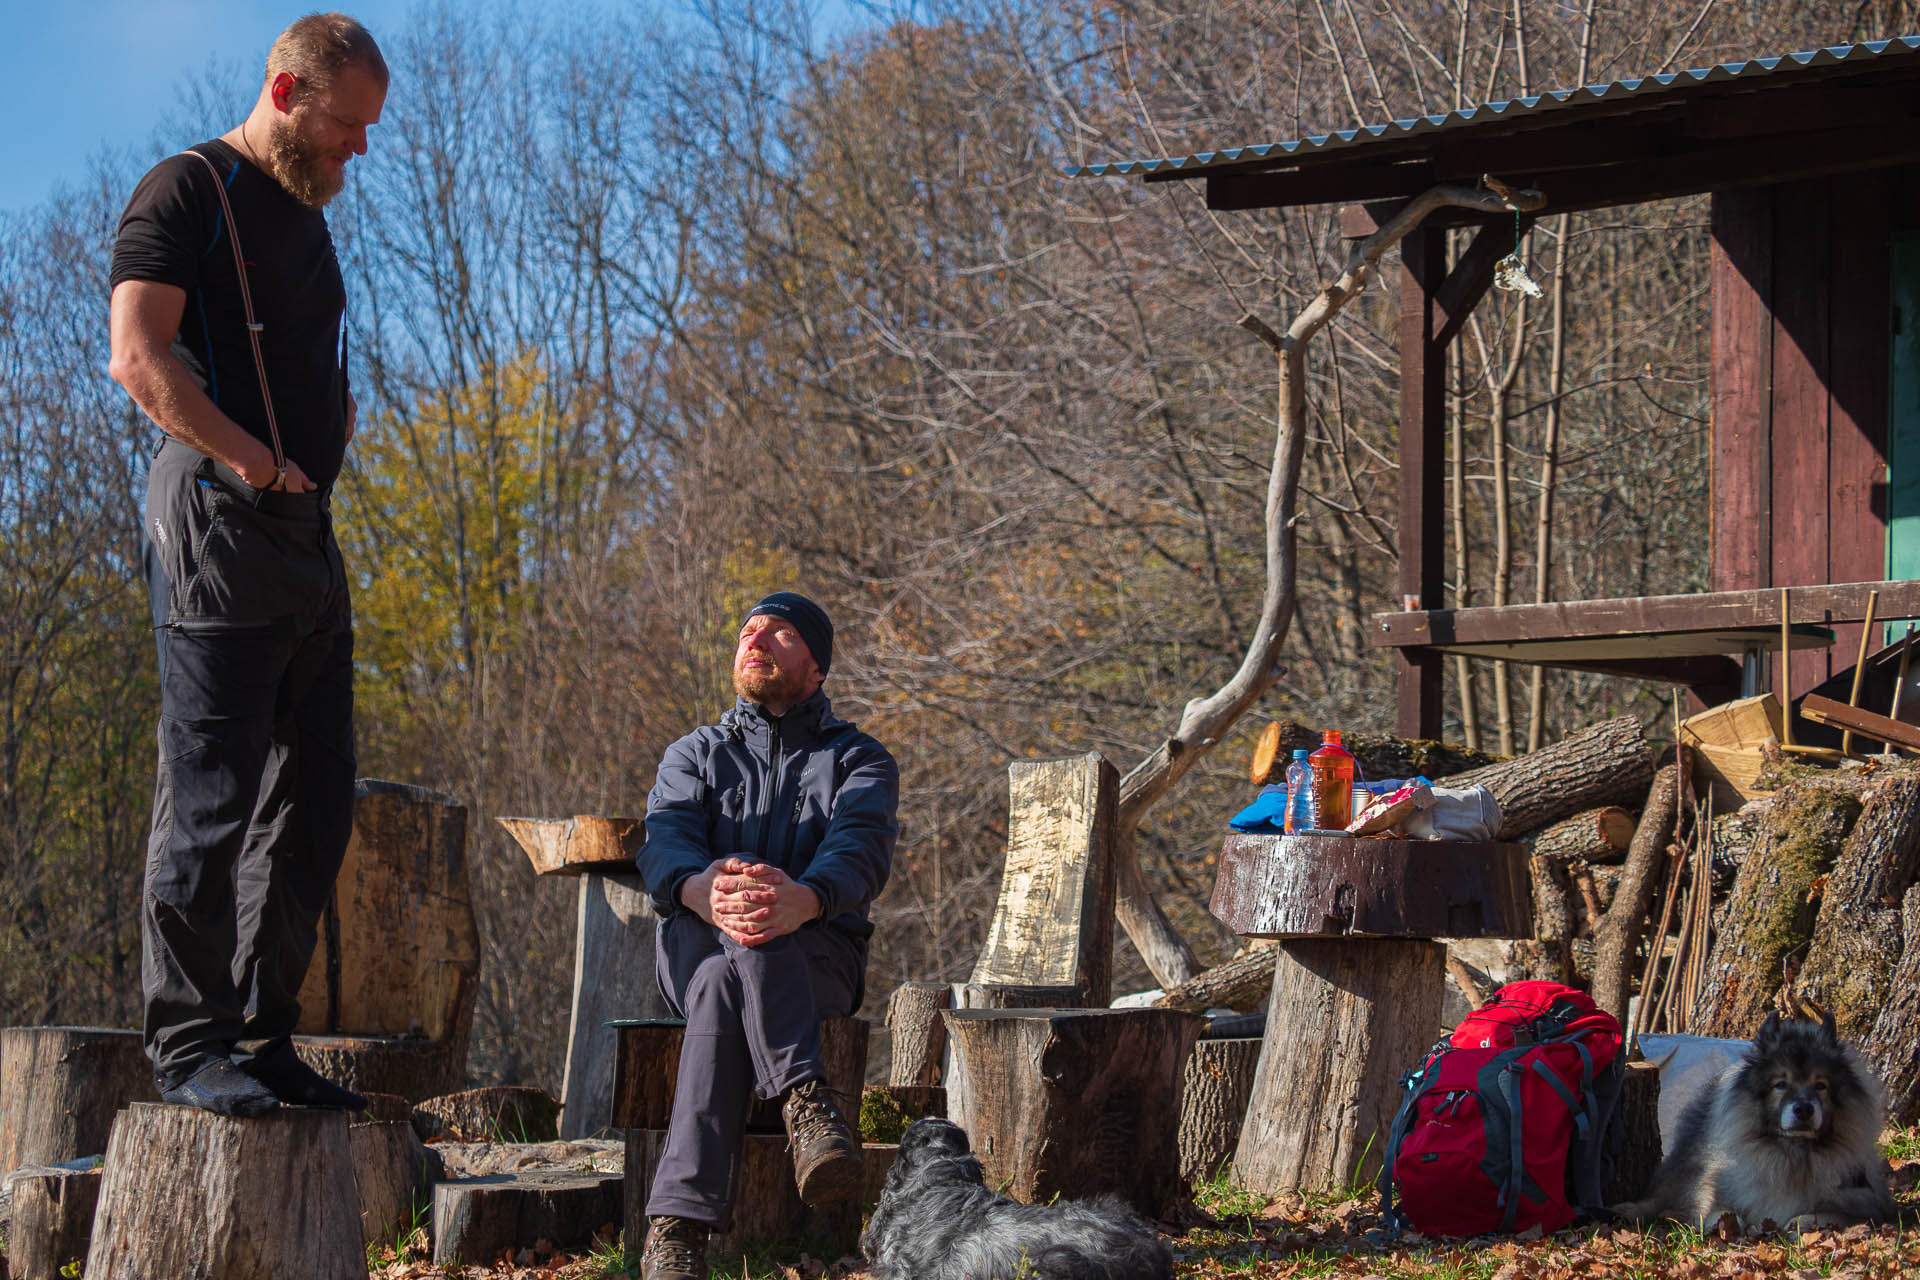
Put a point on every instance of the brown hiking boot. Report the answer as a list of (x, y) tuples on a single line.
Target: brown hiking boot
[(676, 1250), (826, 1158)]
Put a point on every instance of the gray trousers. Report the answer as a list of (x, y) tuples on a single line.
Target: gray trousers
[(753, 1029), (253, 803)]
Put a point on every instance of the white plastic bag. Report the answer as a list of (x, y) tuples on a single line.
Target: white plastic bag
[(1470, 814)]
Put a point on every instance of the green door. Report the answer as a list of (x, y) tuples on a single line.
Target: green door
[(1903, 415)]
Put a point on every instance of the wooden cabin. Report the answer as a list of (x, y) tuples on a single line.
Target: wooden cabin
[(1812, 161)]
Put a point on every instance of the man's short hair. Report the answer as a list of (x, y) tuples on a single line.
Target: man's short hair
[(318, 47)]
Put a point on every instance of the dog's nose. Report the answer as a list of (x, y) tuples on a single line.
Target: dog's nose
[(1800, 1115)]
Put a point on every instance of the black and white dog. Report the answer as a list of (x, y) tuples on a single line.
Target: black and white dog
[(936, 1221)]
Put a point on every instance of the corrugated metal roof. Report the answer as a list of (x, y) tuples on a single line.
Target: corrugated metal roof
[(1642, 90)]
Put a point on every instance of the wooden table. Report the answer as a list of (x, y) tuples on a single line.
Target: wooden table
[(1358, 983)]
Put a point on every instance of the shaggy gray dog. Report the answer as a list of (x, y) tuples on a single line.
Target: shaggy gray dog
[(936, 1221)]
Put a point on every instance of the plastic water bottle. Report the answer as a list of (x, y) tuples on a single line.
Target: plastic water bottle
[(1299, 793), (1332, 784)]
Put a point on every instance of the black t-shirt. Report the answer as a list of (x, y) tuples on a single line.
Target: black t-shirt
[(174, 232)]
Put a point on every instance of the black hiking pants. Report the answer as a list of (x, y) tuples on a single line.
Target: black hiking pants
[(253, 803)]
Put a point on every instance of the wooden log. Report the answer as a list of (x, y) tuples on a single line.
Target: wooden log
[(1769, 914), (389, 1176), (400, 953), (1597, 835), (1073, 1102), (385, 1107), (1213, 1104), (1871, 724), (410, 1067), (919, 1035), (1378, 755), (1554, 919), (51, 1220), (190, 1195), (1857, 935), (1893, 1046), (767, 1209), (1347, 1016), (497, 1113), (60, 1088), (1639, 1134), (570, 846), (1616, 937), (647, 1069), (1607, 763), (1319, 886), (477, 1219), (1241, 983), (1269, 764), (1012, 995), (612, 978), (1053, 921)]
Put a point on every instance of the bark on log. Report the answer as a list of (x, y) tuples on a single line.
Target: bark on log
[(1616, 939), (612, 978), (1769, 916), (1857, 935), (1213, 1104), (384, 1107), (390, 1176), (919, 1035), (648, 1068), (1074, 1102), (51, 1220), (1607, 763), (1893, 1046), (60, 1088), (1639, 1134), (1347, 1016), (1241, 984), (497, 1113), (411, 1067), (1008, 995), (476, 1219), (190, 1195), (766, 1204), (1554, 922), (1597, 835), (1378, 755)]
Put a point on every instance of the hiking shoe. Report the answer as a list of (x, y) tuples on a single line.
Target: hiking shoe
[(676, 1250), (297, 1084), (826, 1159), (217, 1085)]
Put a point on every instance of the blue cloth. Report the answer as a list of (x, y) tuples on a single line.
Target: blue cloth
[(1267, 815)]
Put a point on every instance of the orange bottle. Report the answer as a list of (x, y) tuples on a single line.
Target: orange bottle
[(1332, 783)]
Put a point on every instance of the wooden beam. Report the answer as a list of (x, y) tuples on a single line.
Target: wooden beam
[(1472, 276), (1867, 723), (1422, 543)]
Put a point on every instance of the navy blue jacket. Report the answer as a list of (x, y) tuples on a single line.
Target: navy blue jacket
[(807, 793)]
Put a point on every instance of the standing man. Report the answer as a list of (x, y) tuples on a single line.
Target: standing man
[(227, 331), (768, 837)]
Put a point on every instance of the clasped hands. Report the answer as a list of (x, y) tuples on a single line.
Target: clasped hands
[(750, 902)]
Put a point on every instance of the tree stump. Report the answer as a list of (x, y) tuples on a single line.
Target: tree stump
[(1607, 763), (1016, 995), (767, 1209), (1072, 1102), (498, 1113), (1639, 1134), (919, 1035), (51, 1220), (476, 1219), (1213, 1103), (1893, 1046), (386, 1106), (389, 1174), (410, 1067), (190, 1195), (612, 978), (1857, 935), (1347, 1017), (60, 1088), (647, 1067)]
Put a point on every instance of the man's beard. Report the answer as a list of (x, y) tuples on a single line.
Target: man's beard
[(764, 686), (297, 166)]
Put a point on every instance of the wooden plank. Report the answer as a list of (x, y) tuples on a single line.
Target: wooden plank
[(1422, 544), (1857, 385), (1629, 615), (1799, 403), (612, 978), (1742, 339), (1053, 923), (1870, 723)]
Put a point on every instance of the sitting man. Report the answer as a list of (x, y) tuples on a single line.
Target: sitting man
[(768, 835)]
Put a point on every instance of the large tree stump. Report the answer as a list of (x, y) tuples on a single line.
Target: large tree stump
[(389, 1174), (1639, 1134), (1347, 1016), (1053, 921), (60, 1088), (919, 1035), (612, 978), (1072, 1102), (1241, 983), (51, 1220), (410, 1067), (1770, 918), (476, 1219), (843, 1054), (1213, 1103), (767, 1209), (1893, 1046), (1272, 886), (647, 1067), (190, 1195), (1598, 835), (497, 1113), (1607, 763), (1857, 935)]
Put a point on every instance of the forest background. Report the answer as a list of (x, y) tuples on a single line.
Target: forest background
[(656, 310)]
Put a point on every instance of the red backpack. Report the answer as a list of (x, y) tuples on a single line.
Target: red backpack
[(1511, 1121)]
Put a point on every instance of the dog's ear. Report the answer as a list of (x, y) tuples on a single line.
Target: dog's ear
[(1829, 1028), (1769, 1034)]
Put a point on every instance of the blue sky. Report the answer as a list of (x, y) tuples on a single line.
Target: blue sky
[(83, 78)]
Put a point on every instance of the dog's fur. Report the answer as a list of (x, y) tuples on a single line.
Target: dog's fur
[(1788, 1135), (936, 1221)]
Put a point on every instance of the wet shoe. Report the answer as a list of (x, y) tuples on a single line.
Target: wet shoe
[(217, 1085), (297, 1084), (676, 1250), (826, 1158)]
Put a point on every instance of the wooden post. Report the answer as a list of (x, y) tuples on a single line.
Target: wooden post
[(50, 1221), (1422, 547), (190, 1195), (1053, 922), (389, 1175), (60, 1088), (919, 1034), (1639, 1134)]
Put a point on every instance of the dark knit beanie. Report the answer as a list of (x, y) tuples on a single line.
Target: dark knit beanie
[(808, 618)]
